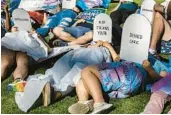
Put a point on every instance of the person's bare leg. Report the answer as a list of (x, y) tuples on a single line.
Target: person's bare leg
[(90, 76), (59, 32), (83, 105), (7, 60), (21, 70), (83, 39), (82, 93), (167, 31), (158, 29)]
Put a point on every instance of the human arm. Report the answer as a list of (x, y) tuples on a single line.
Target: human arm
[(78, 21), (113, 53), (7, 17), (147, 66)]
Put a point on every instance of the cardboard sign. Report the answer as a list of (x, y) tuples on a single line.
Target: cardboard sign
[(32, 5), (22, 20), (147, 9), (68, 4), (135, 39), (102, 28), (89, 15)]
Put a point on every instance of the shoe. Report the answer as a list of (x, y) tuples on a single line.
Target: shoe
[(59, 43), (17, 86), (81, 107), (101, 108), (46, 93), (56, 95)]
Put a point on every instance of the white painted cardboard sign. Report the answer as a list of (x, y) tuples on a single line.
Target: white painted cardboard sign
[(135, 39), (68, 4), (102, 28), (22, 19), (32, 5), (147, 9)]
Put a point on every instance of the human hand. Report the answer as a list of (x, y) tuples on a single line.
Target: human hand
[(81, 21), (117, 58), (99, 43), (163, 73), (106, 44), (146, 64), (14, 29)]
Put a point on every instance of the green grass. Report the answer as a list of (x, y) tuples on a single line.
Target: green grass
[(132, 105)]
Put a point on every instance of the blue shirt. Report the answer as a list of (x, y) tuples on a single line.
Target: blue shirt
[(64, 18)]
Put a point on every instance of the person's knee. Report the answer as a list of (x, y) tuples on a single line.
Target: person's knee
[(21, 59), (89, 35), (57, 31), (5, 63), (85, 71)]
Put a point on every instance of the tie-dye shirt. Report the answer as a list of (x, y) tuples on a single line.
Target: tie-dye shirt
[(121, 79)]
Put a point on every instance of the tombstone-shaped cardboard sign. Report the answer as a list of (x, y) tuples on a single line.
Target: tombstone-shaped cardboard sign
[(22, 20), (102, 28), (135, 39), (68, 4), (147, 9)]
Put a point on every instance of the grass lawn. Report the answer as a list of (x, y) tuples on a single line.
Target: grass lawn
[(132, 105)]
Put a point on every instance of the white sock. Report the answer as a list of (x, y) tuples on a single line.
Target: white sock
[(98, 104), (152, 51)]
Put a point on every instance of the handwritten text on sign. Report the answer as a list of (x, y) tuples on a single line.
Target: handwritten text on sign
[(22, 19), (147, 9), (102, 28), (135, 39)]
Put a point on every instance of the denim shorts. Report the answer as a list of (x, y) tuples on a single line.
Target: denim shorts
[(77, 31)]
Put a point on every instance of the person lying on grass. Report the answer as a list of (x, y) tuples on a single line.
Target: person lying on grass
[(81, 31), (64, 18), (10, 58), (119, 79), (161, 93), (64, 74), (162, 18)]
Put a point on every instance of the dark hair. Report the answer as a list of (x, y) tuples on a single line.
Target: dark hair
[(169, 11), (81, 10)]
